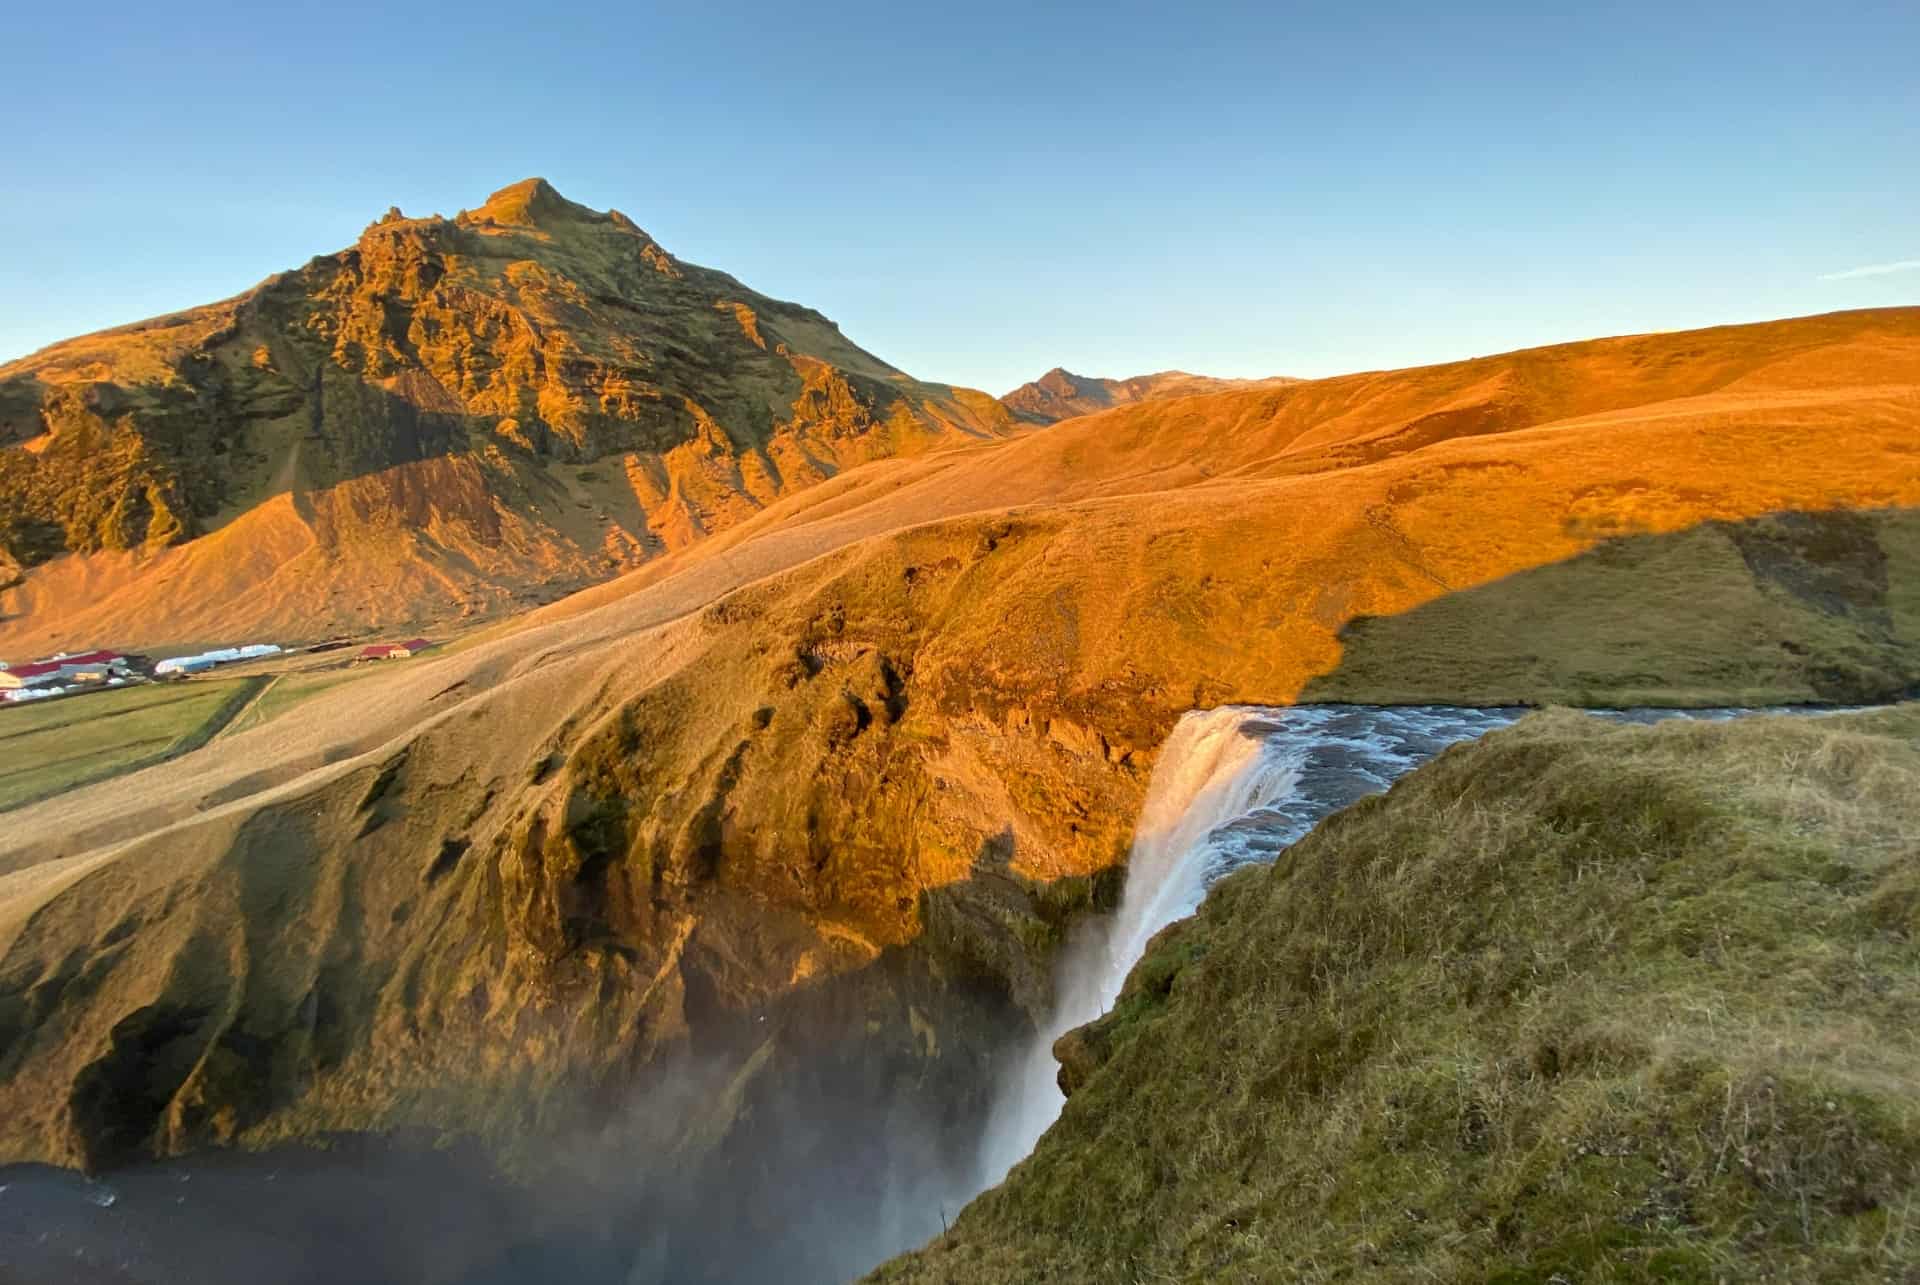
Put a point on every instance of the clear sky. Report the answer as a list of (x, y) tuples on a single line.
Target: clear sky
[(979, 191)]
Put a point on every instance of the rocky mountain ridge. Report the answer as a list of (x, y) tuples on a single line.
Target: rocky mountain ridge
[(443, 419), (1060, 394)]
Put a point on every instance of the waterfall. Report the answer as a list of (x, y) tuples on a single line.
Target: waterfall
[(1232, 786), (1216, 768)]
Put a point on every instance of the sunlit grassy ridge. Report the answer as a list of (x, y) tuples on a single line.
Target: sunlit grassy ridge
[(1577, 1003)]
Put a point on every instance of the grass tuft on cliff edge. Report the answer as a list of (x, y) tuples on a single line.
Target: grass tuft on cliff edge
[(1580, 1002)]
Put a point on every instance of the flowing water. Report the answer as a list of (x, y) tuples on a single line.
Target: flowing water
[(1233, 786)]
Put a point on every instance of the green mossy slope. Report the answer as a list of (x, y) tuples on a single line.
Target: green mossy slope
[(1577, 1003)]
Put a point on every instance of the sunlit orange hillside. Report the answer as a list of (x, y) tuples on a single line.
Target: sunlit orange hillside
[(449, 419)]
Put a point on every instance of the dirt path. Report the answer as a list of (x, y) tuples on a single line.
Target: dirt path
[(239, 714)]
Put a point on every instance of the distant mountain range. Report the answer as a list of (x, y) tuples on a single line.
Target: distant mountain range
[(449, 416), (1060, 394)]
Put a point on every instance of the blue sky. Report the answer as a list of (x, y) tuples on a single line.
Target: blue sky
[(978, 192)]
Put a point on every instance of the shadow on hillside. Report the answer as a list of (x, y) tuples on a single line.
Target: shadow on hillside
[(1791, 607)]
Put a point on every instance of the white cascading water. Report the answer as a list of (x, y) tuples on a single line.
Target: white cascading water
[(1213, 768)]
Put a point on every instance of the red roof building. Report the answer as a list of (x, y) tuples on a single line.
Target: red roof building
[(395, 651), (54, 668)]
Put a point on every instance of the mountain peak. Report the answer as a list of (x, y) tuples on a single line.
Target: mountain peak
[(532, 202), (1060, 394), (502, 349)]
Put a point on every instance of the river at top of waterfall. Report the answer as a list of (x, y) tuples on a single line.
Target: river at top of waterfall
[(1232, 786)]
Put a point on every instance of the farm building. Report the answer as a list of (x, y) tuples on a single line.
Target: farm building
[(395, 651), (218, 656), (89, 666)]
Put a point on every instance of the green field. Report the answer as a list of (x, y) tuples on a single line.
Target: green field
[(56, 745)]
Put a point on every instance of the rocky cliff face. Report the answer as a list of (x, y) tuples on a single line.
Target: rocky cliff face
[(531, 393), (805, 881)]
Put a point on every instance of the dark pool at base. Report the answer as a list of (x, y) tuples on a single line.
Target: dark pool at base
[(360, 1213)]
